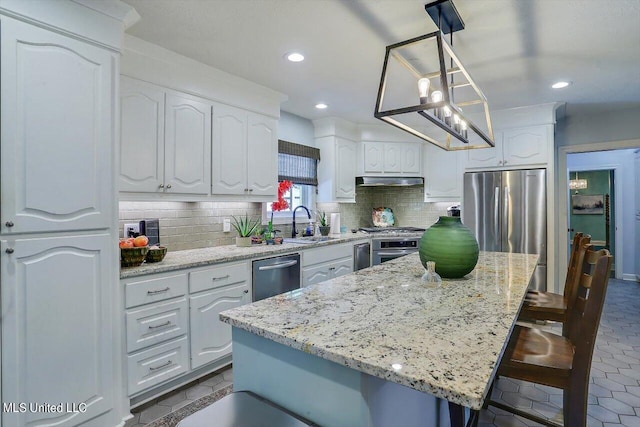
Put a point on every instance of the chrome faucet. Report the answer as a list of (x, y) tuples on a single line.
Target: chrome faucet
[(293, 228)]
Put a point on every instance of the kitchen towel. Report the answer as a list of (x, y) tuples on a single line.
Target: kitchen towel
[(335, 223)]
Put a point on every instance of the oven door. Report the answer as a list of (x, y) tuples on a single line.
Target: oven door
[(387, 255)]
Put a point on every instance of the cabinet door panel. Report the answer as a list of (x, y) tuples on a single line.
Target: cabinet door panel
[(411, 158), (187, 145), (210, 338), (342, 267), (141, 136), (56, 310), (56, 115), (262, 156), (373, 155), (525, 146), (313, 275), (486, 157), (393, 157), (345, 169), (443, 175), (229, 150)]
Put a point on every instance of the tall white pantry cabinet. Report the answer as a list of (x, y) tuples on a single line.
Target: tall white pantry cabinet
[(59, 294)]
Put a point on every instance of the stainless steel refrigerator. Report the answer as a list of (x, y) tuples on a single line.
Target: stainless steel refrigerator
[(507, 212)]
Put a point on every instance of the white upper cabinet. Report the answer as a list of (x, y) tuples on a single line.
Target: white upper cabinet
[(187, 144), (373, 157), (142, 136), (391, 158), (516, 147), (56, 130), (345, 169), (443, 174), (165, 144), (245, 153), (262, 156)]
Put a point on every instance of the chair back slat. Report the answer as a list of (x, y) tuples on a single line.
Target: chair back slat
[(571, 267), (584, 318), (574, 273)]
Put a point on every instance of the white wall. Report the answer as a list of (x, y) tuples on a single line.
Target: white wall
[(612, 126), (296, 129), (623, 160)]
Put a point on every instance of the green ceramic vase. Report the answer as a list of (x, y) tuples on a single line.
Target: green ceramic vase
[(451, 245)]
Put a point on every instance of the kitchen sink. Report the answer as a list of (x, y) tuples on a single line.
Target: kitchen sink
[(308, 240)]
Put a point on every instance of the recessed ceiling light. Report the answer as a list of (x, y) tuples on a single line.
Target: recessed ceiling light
[(560, 85), (295, 57), (321, 106)]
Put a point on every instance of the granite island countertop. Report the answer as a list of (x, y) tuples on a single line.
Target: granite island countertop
[(386, 322), (177, 260)]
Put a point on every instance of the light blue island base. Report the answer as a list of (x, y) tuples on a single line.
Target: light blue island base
[(327, 393)]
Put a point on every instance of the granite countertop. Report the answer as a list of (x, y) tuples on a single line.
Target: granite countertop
[(386, 322), (177, 260)]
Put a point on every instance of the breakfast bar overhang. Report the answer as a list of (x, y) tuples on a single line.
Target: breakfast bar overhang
[(380, 347)]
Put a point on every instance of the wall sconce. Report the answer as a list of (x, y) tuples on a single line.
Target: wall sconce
[(419, 94)]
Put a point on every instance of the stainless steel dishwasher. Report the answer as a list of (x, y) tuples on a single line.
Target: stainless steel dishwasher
[(273, 276), (361, 256)]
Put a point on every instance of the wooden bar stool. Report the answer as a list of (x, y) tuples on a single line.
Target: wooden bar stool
[(562, 361), (540, 305)]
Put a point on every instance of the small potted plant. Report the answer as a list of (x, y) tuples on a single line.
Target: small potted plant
[(258, 236), (324, 227), (245, 227)]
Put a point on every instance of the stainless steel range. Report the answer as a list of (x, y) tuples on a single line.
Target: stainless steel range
[(393, 242)]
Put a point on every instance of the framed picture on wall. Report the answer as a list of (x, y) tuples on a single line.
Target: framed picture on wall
[(582, 204)]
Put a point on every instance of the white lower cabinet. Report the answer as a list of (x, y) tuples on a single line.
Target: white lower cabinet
[(173, 326), (328, 262), (210, 338), (158, 364), (57, 326)]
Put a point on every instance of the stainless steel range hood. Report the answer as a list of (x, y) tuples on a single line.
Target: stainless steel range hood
[(389, 181)]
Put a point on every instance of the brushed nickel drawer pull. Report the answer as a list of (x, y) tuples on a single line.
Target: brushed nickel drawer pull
[(164, 365), (219, 278), (167, 323), (159, 291)]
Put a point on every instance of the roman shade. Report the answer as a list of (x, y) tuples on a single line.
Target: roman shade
[(298, 163)]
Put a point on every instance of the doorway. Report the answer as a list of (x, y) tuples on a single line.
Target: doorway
[(622, 236), (592, 199)]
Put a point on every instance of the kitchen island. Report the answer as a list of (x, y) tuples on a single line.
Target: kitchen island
[(379, 346)]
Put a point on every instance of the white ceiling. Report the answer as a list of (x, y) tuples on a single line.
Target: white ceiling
[(514, 49)]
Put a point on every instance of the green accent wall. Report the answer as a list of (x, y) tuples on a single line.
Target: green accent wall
[(599, 182)]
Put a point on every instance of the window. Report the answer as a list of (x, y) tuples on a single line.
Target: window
[(299, 164)]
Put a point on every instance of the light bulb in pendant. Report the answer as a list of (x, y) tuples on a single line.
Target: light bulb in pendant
[(423, 89), (436, 96), (456, 123), (447, 116), (463, 129)]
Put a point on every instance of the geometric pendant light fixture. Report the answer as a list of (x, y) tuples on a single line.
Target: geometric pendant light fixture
[(426, 91)]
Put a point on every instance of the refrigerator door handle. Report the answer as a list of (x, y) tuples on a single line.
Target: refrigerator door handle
[(506, 233), (496, 214)]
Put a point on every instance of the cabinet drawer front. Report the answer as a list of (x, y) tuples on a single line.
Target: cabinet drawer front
[(140, 291), (157, 364), (326, 253), (215, 277), (156, 323)]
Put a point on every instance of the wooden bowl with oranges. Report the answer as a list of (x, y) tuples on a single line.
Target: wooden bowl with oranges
[(133, 251)]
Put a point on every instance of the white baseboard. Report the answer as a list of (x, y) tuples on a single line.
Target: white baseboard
[(632, 277)]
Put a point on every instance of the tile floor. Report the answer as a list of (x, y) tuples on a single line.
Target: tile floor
[(614, 392), (176, 399)]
